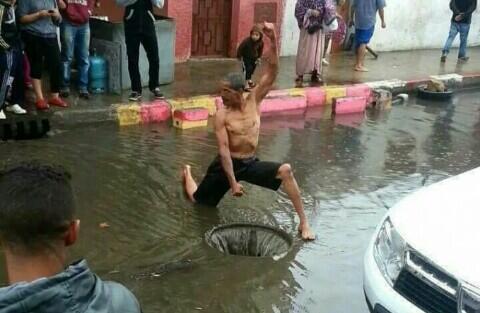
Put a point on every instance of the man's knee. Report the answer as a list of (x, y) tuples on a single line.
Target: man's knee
[(285, 172)]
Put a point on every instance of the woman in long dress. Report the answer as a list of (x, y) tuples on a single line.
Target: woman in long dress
[(310, 15)]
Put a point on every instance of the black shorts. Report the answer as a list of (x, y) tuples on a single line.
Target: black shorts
[(215, 183)]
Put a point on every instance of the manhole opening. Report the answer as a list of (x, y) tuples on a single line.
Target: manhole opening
[(250, 240)]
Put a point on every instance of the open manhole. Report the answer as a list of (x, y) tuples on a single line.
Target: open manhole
[(250, 240)]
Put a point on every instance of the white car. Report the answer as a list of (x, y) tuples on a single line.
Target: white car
[(425, 254)]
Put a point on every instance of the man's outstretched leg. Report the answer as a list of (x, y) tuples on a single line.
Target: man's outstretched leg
[(189, 184), (290, 186)]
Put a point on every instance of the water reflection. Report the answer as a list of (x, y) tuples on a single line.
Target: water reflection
[(350, 169)]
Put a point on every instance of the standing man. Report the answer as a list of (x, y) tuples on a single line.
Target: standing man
[(11, 61), (75, 37), (365, 18), (140, 29), (461, 19), (237, 128)]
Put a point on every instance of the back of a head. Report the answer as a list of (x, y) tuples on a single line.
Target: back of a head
[(235, 81), (233, 93), (36, 206)]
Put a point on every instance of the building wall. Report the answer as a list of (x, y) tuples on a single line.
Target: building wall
[(181, 11), (411, 24)]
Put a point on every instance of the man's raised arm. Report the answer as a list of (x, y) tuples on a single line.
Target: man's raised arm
[(271, 72)]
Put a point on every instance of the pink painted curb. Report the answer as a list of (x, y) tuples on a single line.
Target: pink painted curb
[(349, 105), (199, 114)]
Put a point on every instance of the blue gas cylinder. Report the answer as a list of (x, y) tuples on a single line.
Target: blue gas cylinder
[(97, 73)]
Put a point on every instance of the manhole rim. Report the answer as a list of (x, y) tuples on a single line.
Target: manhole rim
[(282, 233)]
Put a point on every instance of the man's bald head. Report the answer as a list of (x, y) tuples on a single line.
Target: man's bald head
[(235, 81)]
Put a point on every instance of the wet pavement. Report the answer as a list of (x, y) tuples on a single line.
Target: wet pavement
[(350, 170), (200, 77)]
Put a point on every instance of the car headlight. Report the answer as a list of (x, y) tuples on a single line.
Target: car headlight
[(469, 299), (389, 252)]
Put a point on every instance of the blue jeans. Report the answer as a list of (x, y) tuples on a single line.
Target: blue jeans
[(75, 41), (456, 28)]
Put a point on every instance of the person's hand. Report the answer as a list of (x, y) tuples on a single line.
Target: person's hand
[(269, 30), (459, 17), (315, 13), (55, 14), (43, 14), (384, 25), (237, 190)]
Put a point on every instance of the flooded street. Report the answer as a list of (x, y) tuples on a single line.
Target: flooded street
[(350, 171)]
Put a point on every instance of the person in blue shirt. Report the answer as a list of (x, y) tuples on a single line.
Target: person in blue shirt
[(37, 224), (461, 20), (365, 18)]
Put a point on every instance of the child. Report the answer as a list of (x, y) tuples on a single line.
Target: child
[(249, 52), (11, 61)]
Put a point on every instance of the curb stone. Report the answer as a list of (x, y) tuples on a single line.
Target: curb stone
[(71, 117)]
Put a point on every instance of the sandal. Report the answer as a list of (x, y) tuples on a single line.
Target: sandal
[(299, 82)]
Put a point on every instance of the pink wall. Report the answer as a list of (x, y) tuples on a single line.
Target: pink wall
[(181, 11), (243, 20)]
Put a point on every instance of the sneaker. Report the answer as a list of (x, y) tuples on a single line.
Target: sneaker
[(135, 96), (58, 102), (41, 105), (16, 109), (325, 62), (443, 59), (157, 94), (2, 115), (65, 93), (84, 95), (463, 59)]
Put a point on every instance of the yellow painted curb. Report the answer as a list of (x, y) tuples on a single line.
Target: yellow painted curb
[(294, 92), (207, 102), (128, 114), (335, 92), (178, 123)]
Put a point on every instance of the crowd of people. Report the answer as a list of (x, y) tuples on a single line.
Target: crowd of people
[(29, 45)]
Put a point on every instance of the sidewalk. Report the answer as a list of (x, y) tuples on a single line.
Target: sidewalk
[(200, 77)]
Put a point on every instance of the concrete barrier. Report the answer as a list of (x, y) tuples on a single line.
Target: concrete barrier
[(207, 102), (190, 118), (349, 105), (315, 96), (360, 90), (155, 112), (128, 114), (283, 103), (335, 92)]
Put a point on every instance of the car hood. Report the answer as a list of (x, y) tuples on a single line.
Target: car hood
[(441, 222)]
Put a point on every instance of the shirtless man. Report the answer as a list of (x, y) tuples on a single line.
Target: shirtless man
[(237, 128)]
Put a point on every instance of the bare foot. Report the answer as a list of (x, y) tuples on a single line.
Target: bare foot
[(189, 184), (361, 69), (306, 232)]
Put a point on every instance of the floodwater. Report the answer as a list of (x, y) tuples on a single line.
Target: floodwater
[(350, 170)]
